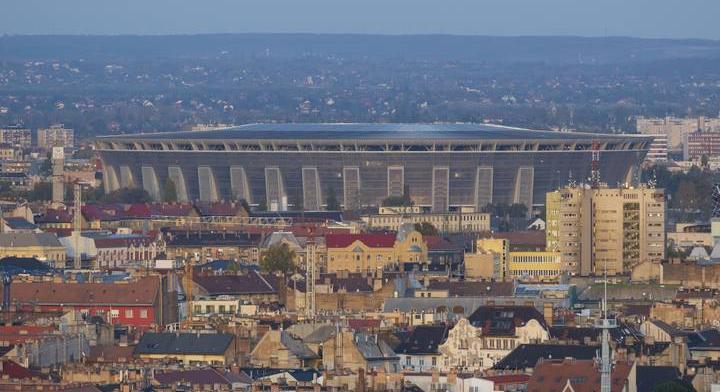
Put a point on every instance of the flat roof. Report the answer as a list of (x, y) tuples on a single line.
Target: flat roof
[(368, 131)]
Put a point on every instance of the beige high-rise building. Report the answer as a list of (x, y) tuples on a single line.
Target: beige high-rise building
[(676, 128), (619, 227), (55, 136), (16, 135)]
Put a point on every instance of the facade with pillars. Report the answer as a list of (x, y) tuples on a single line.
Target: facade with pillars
[(439, 166)]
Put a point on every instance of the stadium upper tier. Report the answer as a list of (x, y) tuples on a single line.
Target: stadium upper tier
[(441, 166), (378, 137)]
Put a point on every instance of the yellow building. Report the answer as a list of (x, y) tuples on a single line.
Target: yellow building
[(369, 252), (534, 266), (481, 264), (43, 246), (500, 247), (594, 228), (463, 220)]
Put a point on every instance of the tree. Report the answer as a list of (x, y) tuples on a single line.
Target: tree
[(278, 258), (169, 192), (244, 204), (686, 195), (399, 201), (128, 196), (518, 210), (704, 160), (673, 386), (331, 201), (426, 228)]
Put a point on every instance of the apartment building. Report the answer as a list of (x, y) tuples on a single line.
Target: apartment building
[(16, 135), (675, 128), (613, 228), (55, 136)]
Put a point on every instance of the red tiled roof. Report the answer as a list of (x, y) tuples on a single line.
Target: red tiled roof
[(121, 242), (509, 378), (437, 243), (111, 354), (55, 216), (583, 375), (17, 334), (103, 212), (370, 240), (14, 371), (144, 291), (361, 324)]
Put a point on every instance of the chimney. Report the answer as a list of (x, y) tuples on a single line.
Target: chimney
[(548, 313)]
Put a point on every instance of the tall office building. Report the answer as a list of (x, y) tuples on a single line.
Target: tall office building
[(699, 144), (55, 136), (676, 129), (592, 228), (16, 135)]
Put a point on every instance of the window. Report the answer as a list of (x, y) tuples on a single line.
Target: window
[(434, 361), (210, 309), (144, 313), (114, 313), (129, 313), (408, 361), (221, 308)]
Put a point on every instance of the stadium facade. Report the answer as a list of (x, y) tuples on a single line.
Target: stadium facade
[(441, 166)]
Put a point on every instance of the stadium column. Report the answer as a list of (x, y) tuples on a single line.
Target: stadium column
[(311, 189), (239, 184), (274, 190), (351, 188), (150, 182), (524, 181), (206, 183), (483, 187), (395, 181), (126, 177), (110, 179), (440, 188), (175, 174)]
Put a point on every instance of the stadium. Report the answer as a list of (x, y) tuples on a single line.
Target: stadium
[(292, 166)]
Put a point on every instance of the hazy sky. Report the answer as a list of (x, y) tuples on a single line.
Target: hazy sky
[(640, 18)]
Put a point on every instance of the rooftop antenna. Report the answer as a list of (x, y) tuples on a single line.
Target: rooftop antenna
[(595, 173), (571, 180), (606, 324)]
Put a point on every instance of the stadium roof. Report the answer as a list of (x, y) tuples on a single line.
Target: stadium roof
[(366, 131)]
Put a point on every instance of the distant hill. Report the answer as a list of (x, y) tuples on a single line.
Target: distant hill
[(549, 50)]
